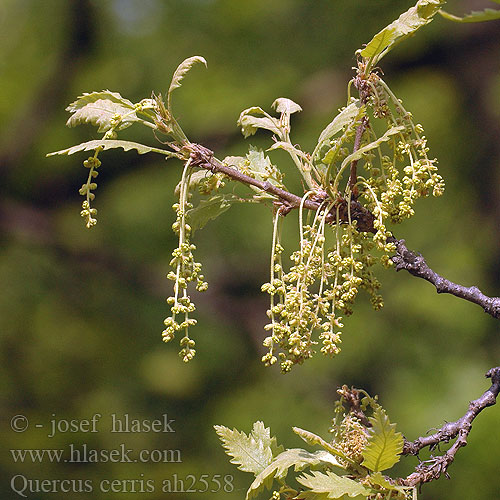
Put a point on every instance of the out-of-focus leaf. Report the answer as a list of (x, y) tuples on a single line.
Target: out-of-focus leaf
[(252, 453), (180, 73), (112, 144), (384, 443), (311, 495), (476, 16), (294, 457), (102, 109), (335, 486), (285, 105), (210, 208), (406, 25)]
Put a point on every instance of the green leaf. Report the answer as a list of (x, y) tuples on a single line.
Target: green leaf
[(335, 486), (475, 16), (384, 443), (372, 145), (289, 148), (252, 453), (313, 439), (88, 98), (406, 25), (180, 73), (297, 458), (379, 480), (250, 123), (210, 208), (112, 144), (99, 108), (287, 106), (346, 116)]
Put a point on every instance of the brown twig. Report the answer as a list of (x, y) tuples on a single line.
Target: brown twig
[(415, 264), (436, 466), (203, 157)]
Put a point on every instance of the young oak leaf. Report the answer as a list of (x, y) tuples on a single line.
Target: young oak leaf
[(297, 458), (332, 484), (384, 443), (315, 440), (112, 144), (406, 25), (250, 123), (252, 453), (105, 109), (180, 73), (475, 16)]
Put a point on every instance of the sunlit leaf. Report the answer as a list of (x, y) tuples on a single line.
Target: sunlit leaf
[(289, 148), (252, 453), (112, 144), (384, 443), (250, 123), (346, 116), (313, 439), (332, 484), (297, 458), (475, 16), (406, 25), (372, 145), (103, 109), (88, 98), (180, 73), (287, 106)]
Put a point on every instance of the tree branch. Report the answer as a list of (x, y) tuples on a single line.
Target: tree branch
[(415, 264), (433, 468), (203, 157)]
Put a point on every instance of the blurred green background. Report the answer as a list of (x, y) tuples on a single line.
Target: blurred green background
[(81, 311)]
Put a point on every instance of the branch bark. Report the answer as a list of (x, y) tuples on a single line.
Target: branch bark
[(203, 157), (415, 264), (436, 466)]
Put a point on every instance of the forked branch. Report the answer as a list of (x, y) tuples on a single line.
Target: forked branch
[(436, 466)]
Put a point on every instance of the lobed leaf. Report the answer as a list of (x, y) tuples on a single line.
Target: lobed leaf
[(102, 109), (111, 144), (180, 73), (297, 458), (335, 486), (252, 453), (475, 16), (88, 98), (384, 443), (406, 25)]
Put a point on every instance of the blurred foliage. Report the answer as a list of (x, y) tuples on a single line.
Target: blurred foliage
[(81, 312)]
